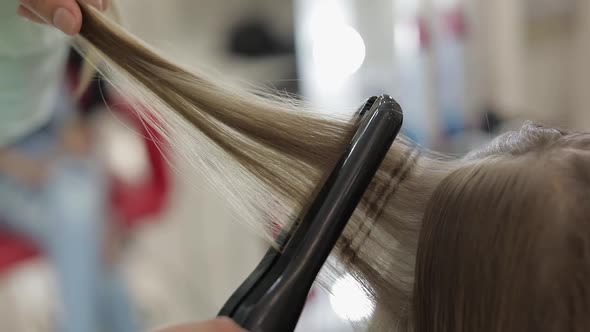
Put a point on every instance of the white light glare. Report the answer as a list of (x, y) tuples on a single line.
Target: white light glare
[(349, 301), (338, 50)]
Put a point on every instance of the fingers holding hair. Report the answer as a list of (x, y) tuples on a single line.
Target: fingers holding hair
[(63, 14)]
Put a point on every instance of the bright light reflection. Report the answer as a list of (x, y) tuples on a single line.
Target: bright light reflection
[(338, 51), (349, 301)]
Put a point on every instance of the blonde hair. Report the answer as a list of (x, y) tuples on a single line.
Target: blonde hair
[(268, 154), (505, 238)]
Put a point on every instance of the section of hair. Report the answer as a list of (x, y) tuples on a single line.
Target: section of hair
[(264, 149), (505, 238), (267, 155)]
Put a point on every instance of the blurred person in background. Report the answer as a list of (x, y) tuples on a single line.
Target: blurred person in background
[(52, 187)]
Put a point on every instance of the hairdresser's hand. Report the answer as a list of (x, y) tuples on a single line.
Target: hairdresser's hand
[(63, 14), (217, 325)]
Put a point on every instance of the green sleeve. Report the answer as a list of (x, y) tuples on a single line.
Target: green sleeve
[(32, 64), (18, 36)]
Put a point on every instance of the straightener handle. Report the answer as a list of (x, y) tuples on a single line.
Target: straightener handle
[(273, 299)]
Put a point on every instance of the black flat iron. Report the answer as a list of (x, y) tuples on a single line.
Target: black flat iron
[(272, 298)]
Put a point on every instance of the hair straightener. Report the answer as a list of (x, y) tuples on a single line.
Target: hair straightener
[(272, 298)]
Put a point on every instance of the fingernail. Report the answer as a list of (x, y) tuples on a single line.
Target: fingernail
[(64, 21), (96, 3)]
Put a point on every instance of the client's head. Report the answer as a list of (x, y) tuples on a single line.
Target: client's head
[(505, 240)]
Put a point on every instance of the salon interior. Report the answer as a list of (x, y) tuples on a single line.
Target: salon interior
[(463, 71)]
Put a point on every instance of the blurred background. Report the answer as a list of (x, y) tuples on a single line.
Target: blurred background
[(463, 71)]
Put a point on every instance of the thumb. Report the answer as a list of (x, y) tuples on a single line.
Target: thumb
[(63, 14)]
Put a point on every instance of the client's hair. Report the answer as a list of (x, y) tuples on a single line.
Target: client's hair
[(268, 155), (505, 240)]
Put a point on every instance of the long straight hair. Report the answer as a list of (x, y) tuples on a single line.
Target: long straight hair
[(499, 251), (267, 154)]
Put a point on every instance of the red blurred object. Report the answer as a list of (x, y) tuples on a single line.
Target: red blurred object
[(14, 249), (132, 203), (424, 33), (456, 23)]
